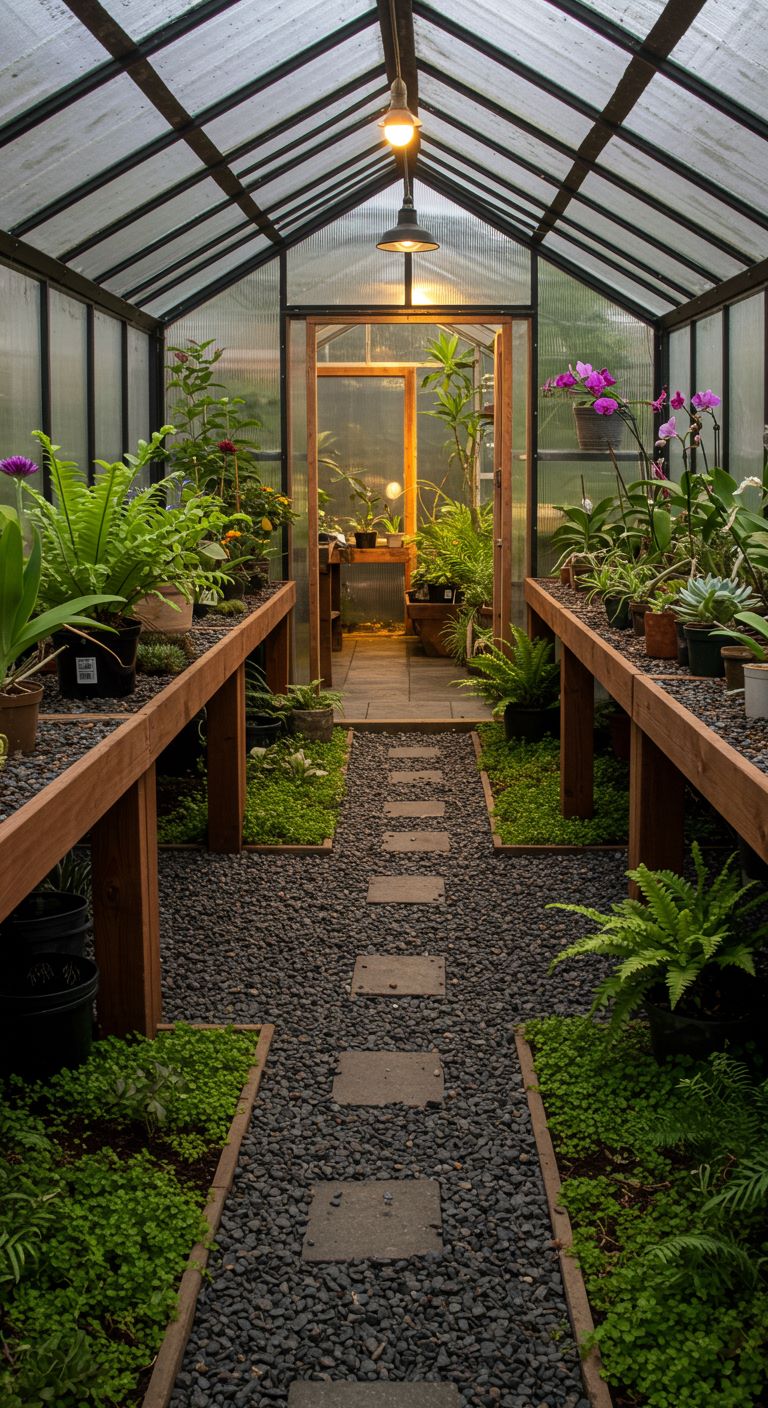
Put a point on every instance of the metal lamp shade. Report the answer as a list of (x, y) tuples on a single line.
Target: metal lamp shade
[(407, 236)]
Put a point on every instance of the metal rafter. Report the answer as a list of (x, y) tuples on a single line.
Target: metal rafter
[(400, 45), (729, 291), (606, 122), (49, 270), (675, 19)]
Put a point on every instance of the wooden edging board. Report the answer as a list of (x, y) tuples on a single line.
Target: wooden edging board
[(579, 1311), (499, 846), (171, 1351), (324, 848)]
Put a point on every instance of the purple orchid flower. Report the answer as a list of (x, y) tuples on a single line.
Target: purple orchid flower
[(608, 380), (667, 431), (565, 379), (605, 406), (659, 402), (657, 469), (677, 401), (594, 382), (18, 466), (583, 369), (705, 400)]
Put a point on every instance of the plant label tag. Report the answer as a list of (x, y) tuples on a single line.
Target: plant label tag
[(86, 669), (447, 594)]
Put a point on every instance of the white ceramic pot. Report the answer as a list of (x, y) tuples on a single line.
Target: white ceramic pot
[(161, 615), (394, 540), (756, 691)]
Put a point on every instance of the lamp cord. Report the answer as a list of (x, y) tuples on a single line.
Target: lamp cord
[(406, 178), (395, 39)]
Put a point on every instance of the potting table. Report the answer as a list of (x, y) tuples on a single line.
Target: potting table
[(110, 791), (669, 744), (332, 558)]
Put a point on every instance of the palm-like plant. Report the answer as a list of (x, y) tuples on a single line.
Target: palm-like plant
[(459, 408), (671, 939), (529, 677)]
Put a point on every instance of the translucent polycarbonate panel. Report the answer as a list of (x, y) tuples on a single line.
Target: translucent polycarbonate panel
[(20, 376), (709, 371), (361, 419), (679, 380), (74, 145), (410, 342), (142, 17), (616, 264), (524, 99), (684, 196), (746, 388), (474, 264), (247, 40), (540, 189), (138, 389), (281, 101), (44, 49), (160, 301), (301, 209), (728, 47), (514, 209), (623, 285), (606, 232), (715, 145), (117, 201), (632, 208), (545, 39), (341, 264), (518, 143), (338, 161), (636, 16), (578, 324), (337, 343), (187, 247), (299, 491), (68, 377), (107, 387), (244, 321)]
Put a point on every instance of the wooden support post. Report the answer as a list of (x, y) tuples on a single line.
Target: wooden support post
[(126, 919), (226, 764), (277, 655), (577, 721), (656, 807)]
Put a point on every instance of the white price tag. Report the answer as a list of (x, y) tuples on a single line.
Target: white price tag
[(86, 669)]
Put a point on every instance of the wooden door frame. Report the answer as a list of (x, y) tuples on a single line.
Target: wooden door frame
[(502, 527)]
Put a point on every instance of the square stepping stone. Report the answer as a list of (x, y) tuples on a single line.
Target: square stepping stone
[(389, 1078), (404, 809), (406, 889), (417, 775), (352, 1395), (414, 752), (378, 1219), (390, 975), (409, 841)]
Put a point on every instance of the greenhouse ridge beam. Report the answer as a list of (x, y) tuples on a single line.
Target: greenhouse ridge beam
[(676, 17), (665, 67), (33, 262), (402, 42), (729, 291)]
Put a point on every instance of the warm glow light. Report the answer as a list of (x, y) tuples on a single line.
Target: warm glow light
[(420, 297), (397, 132), (399, 123), (393, 490)]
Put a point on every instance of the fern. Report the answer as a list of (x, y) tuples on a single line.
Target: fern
[(529, 677)]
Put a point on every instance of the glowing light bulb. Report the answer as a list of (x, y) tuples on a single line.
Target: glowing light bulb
[(399, 133), (393, 490)]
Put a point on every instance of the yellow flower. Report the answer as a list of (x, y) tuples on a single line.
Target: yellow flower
[(266, 525), (281, 499), (231, 534)]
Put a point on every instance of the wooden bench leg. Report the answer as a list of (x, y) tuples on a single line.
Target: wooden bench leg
[(277, 655), (577, 722), (126, 917), (226, 765), (656, 807)]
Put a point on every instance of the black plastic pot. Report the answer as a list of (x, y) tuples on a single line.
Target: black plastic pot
[(261, 731), (89, 669), (46, 1014), (618, 612), (442, 592), (682, 643), (704, 647), (365, 540), (47, 921), (184, 752), (530, 724), (674, 1034)]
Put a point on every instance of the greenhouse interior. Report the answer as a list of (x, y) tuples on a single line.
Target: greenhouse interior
[(383, 704)]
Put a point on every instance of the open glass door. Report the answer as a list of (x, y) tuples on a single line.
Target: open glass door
[(502, 483)]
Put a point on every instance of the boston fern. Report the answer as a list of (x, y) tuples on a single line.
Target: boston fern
[(669, 940), (529, 677)]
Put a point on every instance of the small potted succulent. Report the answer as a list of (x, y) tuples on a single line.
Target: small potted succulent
[(391, 525), (310, 709), (660, 620), (753, 660), (705, 605), (523, 686)]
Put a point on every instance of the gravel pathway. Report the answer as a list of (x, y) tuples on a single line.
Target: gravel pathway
[(255, 938)]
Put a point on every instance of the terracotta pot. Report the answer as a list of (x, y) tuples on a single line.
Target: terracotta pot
[(156, 615), (595, 432), (18, 717), (734, 658), (578, 569), (660, 635), (637, 611), (565, 575)]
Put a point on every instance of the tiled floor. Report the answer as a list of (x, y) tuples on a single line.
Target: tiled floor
[(389, 678)]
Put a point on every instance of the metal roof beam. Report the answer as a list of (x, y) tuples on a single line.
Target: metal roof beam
[(729, 291), (33, 262)]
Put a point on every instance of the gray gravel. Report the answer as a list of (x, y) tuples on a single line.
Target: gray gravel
[(593, 615), (59, 745), (255, 938), (724, 714)]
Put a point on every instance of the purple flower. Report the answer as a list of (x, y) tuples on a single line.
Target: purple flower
[(657, 469), (659, 402), (548, 387), (594, 382), (18, 466), (667, 431), (605, 406), (678, 401), (705, 400), (608, 380), (697, 439), (565, 379), (583, 369)]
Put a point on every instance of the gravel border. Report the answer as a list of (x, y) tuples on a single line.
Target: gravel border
[(59, 745), (257, 938), (629, 645)]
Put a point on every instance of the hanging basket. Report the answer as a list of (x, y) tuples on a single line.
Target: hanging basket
[(597, 433)]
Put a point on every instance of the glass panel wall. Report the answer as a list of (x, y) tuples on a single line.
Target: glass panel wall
[(20, 395), (68, 343), (746, 388), (299, 490), (108, 394)]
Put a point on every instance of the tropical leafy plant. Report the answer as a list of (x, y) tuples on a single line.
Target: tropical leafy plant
[(309, 696), (528, 677), (671, 937), (259, 698), (586, 529), (758, 626), (455, 548), (459, 407), (367, 517)]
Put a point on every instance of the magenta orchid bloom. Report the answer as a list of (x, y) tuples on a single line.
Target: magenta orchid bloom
[(667, 431), (605, 406), (677, 401), (565, 379), (608, 380), (583, 369), (18, 466), (705, 400), (594, 382), (659, 402)]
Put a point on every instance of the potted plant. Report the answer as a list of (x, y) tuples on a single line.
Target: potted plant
[(392, 530), (586, 529), (753, 660), (454, 565), (21, 632), (124, 542), (660, 621), (705, 605), (595, 403), (523, 686), (265, 712), (683, 952), (363, 523), (310, 709)]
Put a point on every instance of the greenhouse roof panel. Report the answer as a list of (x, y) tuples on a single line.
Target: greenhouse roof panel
[(158, 146)]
